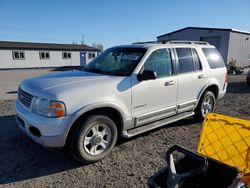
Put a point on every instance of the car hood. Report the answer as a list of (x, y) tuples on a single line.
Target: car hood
[(54, 84)]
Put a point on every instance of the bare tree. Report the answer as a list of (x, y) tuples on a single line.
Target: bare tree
[(98, 45)]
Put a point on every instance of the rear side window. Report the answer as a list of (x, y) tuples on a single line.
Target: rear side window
[(197, 62), (185, 60), (214, 58)]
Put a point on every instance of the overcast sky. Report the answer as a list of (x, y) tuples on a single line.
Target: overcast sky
[(114, 22)]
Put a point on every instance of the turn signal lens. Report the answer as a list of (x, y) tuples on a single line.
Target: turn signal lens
[(48, 108), (56, 109)]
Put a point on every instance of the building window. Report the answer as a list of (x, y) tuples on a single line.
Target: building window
[(18, 54), (91, 55), (44, 55), (66, 55)]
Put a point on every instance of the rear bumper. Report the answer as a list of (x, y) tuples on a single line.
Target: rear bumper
[(52, 131), (248, 79), (221, 94)]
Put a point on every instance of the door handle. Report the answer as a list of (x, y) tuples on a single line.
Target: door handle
[(171, 82), (202, 76)]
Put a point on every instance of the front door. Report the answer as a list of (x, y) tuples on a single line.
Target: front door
[(153, 100)]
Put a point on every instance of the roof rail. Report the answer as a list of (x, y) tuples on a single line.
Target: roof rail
[(186, 42), (148, 42)]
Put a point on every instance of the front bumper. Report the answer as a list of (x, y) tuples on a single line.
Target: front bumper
[(53, 131)]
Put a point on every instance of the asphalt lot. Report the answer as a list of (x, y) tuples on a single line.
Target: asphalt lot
[(24, 163), (10, 80)]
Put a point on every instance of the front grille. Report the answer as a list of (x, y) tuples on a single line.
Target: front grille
[(24, 97)]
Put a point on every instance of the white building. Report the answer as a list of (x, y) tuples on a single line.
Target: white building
[(230, 42), (38, 55)]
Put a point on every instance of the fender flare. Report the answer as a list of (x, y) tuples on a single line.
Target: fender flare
[(204, 89), (90, 107)]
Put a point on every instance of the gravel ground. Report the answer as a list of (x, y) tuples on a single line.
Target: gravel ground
[(24, 163)]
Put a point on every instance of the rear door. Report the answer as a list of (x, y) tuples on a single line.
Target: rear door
[(192, 78)]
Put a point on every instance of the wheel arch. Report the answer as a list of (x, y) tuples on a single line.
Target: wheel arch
[(111, 111), (214, 89), (211, 87)]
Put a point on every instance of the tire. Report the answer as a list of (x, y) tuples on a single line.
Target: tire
[(93, 139), (205, 106)]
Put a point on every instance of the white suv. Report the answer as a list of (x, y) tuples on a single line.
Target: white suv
[(125, 91)]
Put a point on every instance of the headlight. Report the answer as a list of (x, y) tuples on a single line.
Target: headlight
[(48, 108)]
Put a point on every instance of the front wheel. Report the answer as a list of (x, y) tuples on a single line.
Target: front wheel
[(94, 139), (205, 106)]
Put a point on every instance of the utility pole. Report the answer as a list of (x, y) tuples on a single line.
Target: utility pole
[(82, 39)]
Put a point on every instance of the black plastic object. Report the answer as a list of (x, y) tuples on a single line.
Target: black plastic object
[(192, 170), (176, 178), (146, 75)]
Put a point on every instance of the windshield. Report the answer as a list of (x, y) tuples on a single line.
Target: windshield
[(116, 61)]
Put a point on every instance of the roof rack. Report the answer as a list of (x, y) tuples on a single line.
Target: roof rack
[(186, 42), (148, 42), (174, 42)]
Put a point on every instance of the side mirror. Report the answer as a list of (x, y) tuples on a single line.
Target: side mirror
[(146, 75)]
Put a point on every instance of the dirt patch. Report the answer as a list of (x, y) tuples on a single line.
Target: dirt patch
[(26, 164), (6, 107)]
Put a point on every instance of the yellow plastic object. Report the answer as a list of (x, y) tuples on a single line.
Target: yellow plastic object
[(227, 140)]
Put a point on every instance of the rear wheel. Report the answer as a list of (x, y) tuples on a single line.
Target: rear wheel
[(205, 106), (94, 139)]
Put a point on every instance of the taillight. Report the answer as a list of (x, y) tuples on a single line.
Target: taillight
[(226, 81), (226, 78)]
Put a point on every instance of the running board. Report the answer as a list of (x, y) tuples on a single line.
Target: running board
[(150, 126)]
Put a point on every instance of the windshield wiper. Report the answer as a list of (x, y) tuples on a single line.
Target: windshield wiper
[(95, 70), (114, 73), (118, 73)]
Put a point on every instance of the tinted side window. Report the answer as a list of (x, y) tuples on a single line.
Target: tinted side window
[(160, 62), (197, 62), (185, 60), (214, 58)]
